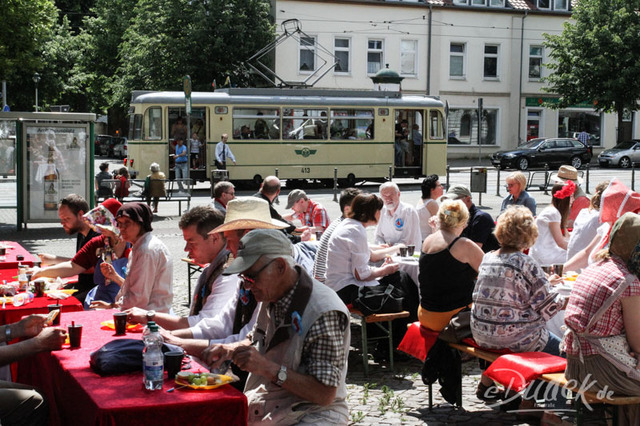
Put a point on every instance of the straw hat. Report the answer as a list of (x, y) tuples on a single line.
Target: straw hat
[(566, 173), (257, 243), (248, 213)]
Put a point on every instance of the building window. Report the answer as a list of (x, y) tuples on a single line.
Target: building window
[(341, 47), (456, 60), (533, 124), (463, 126), (479, 2), (490, 61), (374, 56), (496, 3), (570, 123), (465, 2), (561, 4), (307, 54), (535, 62), (408, 56), (544, 4)]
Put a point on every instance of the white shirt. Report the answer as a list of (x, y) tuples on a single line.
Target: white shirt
[(348, 252), (220, 146), (219, 328), (585, 229), (223, 289), (424, 215), (149, 281), (403, 227), (195, 146), (546, 251)]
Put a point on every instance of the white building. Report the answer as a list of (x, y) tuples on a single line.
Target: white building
[(460, 50)]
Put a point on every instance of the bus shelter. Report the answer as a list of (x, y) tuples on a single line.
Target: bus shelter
[(46, 155)]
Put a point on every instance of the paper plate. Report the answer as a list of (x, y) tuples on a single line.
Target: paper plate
[(224, 378), (109, 325), (65, 291)]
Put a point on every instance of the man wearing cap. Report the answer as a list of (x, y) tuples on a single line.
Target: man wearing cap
[(480, 225), (580, 199), (223, 192), (213, 290), (310, 214), (399, 222), (297, 352), (89, 240), (269, 191)]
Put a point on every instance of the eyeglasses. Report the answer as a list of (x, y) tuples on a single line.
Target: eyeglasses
[(251, 279)]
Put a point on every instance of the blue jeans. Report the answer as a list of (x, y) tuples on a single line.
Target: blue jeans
[(181, 173), (553, 345)]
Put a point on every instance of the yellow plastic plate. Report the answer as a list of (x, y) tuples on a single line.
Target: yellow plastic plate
[(223, 378)]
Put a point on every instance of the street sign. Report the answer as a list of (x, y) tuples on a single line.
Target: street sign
[(186, 85), (6, 108)]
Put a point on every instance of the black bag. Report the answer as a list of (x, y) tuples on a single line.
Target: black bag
[(459, 327), (379, 299), (121, 356)]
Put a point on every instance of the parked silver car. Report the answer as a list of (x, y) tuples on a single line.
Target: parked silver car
[(621, 155)]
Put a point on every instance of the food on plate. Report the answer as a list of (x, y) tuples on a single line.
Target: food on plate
[(570, 276), (201, 380)]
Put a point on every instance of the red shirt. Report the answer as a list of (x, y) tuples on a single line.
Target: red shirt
[(87, 257), (315, 216)]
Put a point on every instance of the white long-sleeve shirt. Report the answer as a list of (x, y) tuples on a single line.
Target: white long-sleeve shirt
[(228, 155), (149, 281)]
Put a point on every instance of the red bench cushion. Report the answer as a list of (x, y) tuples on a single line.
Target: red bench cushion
[(418, 341), (516, 371)]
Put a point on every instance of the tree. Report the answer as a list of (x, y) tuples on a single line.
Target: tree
[(597, 58), (26, 26), (207, 40)]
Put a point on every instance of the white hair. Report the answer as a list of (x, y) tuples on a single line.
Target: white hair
[(389, 185)]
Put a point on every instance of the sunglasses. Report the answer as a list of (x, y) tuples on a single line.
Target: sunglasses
[(251, 279)]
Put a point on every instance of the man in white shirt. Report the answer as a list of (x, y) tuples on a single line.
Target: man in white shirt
[(399, 222), (213, 290), (223, 152)]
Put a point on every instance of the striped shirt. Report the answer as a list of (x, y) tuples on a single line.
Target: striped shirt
[(320, 263)]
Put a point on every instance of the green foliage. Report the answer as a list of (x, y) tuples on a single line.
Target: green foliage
[(597, 57)]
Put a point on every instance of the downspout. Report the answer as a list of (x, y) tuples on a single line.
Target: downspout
[(429, 52), (521, 69)]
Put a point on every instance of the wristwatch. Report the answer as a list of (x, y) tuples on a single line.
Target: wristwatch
[(151, 316), (281, 376)]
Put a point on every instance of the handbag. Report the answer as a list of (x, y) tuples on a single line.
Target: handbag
[(121, 356), (379, 299)]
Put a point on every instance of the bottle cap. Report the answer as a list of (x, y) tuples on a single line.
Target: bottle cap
[(153, 326)]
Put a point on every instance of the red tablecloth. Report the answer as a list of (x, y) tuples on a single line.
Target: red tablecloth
[(14, 249), (78, 396), (11, 314)]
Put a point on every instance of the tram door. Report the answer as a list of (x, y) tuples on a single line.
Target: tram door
[(409, 142), (194, 137)]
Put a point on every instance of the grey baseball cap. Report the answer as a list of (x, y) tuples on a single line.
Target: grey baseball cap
[(294, 196), (257, 243), (457, 192)]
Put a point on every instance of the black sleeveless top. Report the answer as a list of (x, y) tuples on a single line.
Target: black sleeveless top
[(445, 282)]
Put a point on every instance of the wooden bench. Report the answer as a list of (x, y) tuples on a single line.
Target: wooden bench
[(172, 191), (377, 319), (558, 379)]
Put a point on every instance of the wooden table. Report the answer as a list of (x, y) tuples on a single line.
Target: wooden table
[(192, 269), (79, 396)]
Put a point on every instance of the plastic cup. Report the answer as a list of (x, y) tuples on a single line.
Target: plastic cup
[(403, 252), (56, 321), (39, 286), (120, 323), (411, 249), (318, 235), (75, 335), (548, 269), (558, 268), (3, 251), (173, 363)]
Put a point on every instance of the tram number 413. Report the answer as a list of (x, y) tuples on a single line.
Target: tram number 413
[(305, 170)]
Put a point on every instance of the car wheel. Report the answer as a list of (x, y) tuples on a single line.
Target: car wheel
[(625, 162), (576, 162), (522, 163)]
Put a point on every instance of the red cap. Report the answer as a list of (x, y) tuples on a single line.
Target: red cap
[(112, 205)]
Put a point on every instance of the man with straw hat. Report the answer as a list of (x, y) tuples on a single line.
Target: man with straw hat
[(581, 201), (297, 352)]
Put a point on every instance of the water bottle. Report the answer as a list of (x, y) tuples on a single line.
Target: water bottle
[(153, 358)]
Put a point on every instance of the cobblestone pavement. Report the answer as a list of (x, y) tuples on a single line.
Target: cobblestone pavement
[(384, 397)]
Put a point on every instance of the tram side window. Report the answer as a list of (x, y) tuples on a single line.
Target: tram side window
[(135, 127), (256, 123), (352, 124), (152, 129), (436, 125), (304, 123)]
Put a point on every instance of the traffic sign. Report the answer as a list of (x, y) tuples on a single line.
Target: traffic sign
[(6, 108), (186, 85)]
